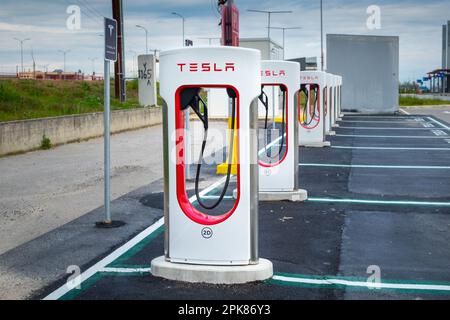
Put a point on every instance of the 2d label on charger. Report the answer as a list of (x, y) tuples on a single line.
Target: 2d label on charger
[(207, 233)]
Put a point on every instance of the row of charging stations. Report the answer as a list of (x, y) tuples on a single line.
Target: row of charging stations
[(211, 235), (320, 107)]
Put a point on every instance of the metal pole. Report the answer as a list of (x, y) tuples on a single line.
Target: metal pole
[(284, 44), (184, 43), (146, 41), (321, 35), (21, 54), (107, 158)]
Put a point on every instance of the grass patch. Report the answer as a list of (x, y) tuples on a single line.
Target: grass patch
[(30, 99), (412, 101)]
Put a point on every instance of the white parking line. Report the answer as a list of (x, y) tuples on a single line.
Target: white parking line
[(374, 121), (368, 166), (388, 137), (381, 128), (126, 270), (391, 148), (365, 284), (439, 123), (101, 265)]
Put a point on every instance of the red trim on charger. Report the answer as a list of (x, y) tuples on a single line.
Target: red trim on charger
[(189, 210), (318, 106)]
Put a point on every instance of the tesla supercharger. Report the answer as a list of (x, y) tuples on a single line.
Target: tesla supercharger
[(340, 82), (329, 104), (311, 109), (335, 104), (206, 240), (278, 154)]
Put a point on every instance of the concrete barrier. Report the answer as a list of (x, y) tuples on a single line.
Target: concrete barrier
[(26, 135)]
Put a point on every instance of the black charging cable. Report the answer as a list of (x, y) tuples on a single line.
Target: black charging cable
[(265, 101)]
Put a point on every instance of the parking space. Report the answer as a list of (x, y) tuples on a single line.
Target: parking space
[(378, 201)]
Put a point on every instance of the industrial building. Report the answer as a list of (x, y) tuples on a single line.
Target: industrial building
[(307, 63), (370, 67), (270, 50)]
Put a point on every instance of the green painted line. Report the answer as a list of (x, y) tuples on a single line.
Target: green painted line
[(120, 262), (363, 166), (391, 148), (381, 202), (84, 286)]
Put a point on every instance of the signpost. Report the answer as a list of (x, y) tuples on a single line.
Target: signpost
[(110, 55)]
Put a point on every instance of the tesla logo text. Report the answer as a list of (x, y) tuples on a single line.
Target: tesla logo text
[(207, 67), (273, 73)]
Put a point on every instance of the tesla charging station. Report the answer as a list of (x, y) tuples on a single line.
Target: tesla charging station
[(335, 97), (203, 241), (311, 106), (278, 157), (329, 105), (339, 100)]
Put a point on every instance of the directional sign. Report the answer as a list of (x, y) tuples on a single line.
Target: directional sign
[(110, 39)]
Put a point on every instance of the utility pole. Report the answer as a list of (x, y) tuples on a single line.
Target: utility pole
[(269, 15), (321, 35), (284, 39), (146, 37), (93, 65), (64, 52), (187, 123), (21, 50), (184, 19), (34, 64), (119, 67)]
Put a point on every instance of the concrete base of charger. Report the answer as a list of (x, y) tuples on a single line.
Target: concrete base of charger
[(292, 196), (212, 274), (316, 144)]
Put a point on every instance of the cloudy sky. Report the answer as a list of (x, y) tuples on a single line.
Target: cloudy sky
[(418, 23)]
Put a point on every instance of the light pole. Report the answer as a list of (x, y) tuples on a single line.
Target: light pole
[(146, 37), (284, 39), (134, 59), (64, 52), (269, 15), (187, 121), (183, 18), (21, 50), (321, 34), (93, 64)]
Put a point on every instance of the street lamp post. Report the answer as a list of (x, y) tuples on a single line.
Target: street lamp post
[(284, 39), (21, 50), (321, 35), (269, 15), (64, 52), (93, 64), (134, 59), (146, 37), (184, 19), (187, 121)]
